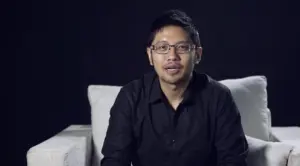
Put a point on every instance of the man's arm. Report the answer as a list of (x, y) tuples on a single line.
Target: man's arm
[(118, 143), (230, 142)]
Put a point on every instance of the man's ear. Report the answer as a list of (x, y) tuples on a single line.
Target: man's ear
[(149, 53), (198, 54)]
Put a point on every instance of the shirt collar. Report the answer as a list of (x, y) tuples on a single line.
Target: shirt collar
[(156, 94)]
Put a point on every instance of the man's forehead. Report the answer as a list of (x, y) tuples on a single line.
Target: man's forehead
[(171, 34), (171, 40), (171, 31)]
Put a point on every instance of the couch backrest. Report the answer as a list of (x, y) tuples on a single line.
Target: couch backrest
[(249, 93), (250, 96), (101, 98)]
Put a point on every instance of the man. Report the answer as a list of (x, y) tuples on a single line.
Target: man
[(174, 116)]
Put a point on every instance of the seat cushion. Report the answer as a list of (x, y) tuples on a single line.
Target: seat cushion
[(250, 96)]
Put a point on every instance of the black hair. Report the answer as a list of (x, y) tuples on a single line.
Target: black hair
[(177, 18)]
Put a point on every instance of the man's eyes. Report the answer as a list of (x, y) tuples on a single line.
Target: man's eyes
[(183, 46), (163, 47)]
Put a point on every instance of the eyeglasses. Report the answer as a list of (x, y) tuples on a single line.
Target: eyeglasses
[(180, 48)]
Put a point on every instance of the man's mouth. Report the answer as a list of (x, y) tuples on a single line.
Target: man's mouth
[(173, 68)]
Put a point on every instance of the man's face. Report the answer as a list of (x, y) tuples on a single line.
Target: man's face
[(173, 64)]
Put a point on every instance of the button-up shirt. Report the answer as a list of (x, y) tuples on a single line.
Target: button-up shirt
[(145, 130)]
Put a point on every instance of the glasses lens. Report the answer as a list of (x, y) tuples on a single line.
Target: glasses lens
[(183, 48), (162, 48)]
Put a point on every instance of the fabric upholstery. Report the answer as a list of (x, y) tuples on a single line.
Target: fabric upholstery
[(289, 135), (71, 147), (101, 99), (294, 158), (250, 95), (265, 153), (286, 133)]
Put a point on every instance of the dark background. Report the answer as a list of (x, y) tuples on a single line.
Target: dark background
[(64, 46)]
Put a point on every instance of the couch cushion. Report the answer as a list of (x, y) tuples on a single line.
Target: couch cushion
[(250, 95), (264, 153), (101, 98)]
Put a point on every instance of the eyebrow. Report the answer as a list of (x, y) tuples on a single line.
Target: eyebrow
[(163, 41)]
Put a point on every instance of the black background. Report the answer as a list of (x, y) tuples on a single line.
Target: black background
[(64, 46)]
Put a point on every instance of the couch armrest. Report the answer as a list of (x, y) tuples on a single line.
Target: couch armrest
[(71, 147), (266, 153), (280, 134), (294, 158)]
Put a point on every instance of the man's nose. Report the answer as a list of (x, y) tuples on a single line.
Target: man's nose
[(172, 53)]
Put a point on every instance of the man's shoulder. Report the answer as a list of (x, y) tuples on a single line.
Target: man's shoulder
[(215, 93), (140, 84), (142, 81), (212, 85)]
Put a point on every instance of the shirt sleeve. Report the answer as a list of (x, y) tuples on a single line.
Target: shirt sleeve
[(230, 141), (118, 144)]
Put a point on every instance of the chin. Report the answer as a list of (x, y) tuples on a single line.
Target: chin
[(175, 79)]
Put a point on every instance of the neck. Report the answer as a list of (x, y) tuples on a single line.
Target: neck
[(174, 92)]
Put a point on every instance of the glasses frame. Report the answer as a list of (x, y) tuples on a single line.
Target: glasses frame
[(192, 46)]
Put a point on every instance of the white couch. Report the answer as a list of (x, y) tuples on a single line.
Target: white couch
[(80, 145)]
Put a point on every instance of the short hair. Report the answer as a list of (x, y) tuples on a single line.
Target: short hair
[(177, 18)]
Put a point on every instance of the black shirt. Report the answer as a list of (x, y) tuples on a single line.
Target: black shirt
[(145, 130)]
